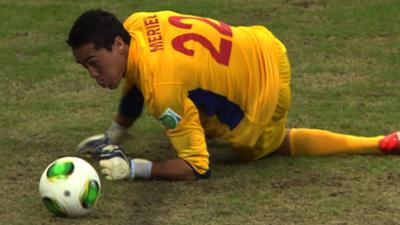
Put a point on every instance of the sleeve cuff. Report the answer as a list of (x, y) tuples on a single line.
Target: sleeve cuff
[(198, 175)]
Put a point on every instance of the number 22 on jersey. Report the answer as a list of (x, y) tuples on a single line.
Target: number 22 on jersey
[(221, 55)]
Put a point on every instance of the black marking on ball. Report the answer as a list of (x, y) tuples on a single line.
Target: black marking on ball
[(67, 193)]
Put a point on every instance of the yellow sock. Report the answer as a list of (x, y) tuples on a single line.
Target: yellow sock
[(319, 142)]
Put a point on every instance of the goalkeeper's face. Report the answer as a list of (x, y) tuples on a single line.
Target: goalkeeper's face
[(106, 67)]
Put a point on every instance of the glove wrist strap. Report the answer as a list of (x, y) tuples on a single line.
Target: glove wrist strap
[(141, 168)]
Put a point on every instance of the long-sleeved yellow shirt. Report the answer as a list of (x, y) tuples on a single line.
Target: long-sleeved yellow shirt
[(200, 76)]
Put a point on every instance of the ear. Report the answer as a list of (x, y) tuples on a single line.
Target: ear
[(119, 44)]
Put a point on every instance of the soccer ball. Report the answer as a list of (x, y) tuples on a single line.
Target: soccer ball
[(69, 187)]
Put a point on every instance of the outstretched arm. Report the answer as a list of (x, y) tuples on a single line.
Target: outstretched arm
[(181, 119), (175, 169), (116, 165), (124, 121), (130, 107)]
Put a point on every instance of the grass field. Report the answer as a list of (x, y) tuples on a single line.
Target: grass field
[(345, 57)]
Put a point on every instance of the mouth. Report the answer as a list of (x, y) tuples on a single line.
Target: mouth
[(107, 84), (102, 83)]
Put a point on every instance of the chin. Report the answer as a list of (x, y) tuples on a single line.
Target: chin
[(113, 86)]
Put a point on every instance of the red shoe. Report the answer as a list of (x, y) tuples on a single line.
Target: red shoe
[(390, 143)]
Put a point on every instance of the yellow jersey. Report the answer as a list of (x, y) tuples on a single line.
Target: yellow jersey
[(200, 76)]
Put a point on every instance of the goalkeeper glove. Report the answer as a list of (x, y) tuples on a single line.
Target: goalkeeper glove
[(116, 165), (116, 134)]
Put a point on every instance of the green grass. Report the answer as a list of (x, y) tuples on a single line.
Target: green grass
[(345, 58)]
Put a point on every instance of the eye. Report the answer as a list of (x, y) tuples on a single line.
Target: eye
[(93, 63)]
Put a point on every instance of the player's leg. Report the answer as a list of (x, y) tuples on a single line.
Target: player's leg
[(266, 144), (313, 141), (274, 134), (320, 142)]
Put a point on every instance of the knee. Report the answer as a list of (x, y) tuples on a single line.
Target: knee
[(284, 148)]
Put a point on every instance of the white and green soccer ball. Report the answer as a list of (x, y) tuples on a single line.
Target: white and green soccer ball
[(69, 187)]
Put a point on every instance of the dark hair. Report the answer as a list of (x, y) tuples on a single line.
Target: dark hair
[(97, 27)]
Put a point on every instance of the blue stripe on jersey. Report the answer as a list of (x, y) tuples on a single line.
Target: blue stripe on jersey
[(131, 104), (227, 112)]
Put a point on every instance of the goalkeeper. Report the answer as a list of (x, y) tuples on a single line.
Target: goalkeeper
[(200, 78)]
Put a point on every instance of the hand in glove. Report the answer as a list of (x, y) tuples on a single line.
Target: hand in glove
[(117, 166), (116, 134)]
